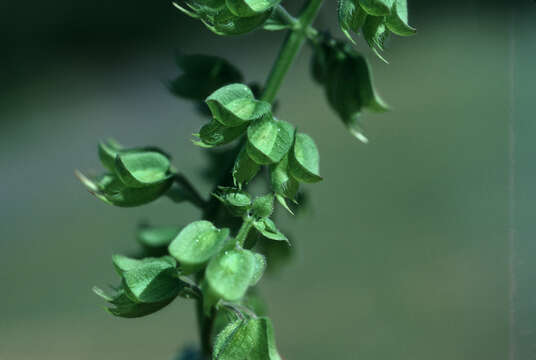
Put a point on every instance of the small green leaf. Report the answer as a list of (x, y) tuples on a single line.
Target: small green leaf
[(112, 191), (251, 339), (375, 33), (202, 75), (304, 160), (235, 105), (226, 23), (260, 267), (157, 237), (263, 206), (124, 307), (377, 7), (269, 140), (246, 8), (237, 201), (141, 169), (283, 185), (196, 244), (397, 21), (215, 134), (351, 17), (230, 273), (244, 169), (108, 151), (268, 229)]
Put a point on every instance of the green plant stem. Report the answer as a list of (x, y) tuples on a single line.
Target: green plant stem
[(244, 230), (291, 46)]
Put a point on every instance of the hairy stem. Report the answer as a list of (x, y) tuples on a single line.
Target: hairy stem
[(291, 46), (244, 230)]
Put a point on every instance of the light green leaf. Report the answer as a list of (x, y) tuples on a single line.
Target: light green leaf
[(268, 229), (237, 201), (284, 185), (108, 150), (397, 21), (246, 8), (215, 134), (234, 105), (304, 160), (226, 23), (251, 339), (377, 7), (351, 17), (269, 140), (229, 273), (244, 169), (149, 280), (263, 206), (141, 169), (124, 307), (196, 244), (157, 237)]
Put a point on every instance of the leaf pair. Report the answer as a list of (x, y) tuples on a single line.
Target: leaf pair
[(147, 285), (347, 81), (375, 18), (251, 339), (229, 17)]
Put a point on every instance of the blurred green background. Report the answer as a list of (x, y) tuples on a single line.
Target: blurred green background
[(404, 253)]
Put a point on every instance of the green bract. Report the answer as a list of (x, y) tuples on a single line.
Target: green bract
[(397, 21), (215, 134), (108, 151), (347, 81), (376, 7), (142, 169), (351, 17), (230, 273), (244, 169), (150, 280), (268, 229), (263, 206), (283, 185), (237, 201), (375, 33), (202, 75), (235, 104), (304, 160), (196, 244), (269, 140), (251, 339)]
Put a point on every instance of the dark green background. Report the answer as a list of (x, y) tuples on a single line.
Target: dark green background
[(405, 253)]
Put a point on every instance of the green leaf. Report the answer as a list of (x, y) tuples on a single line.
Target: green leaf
[(235, 105), (245, 8), (112, 191), (108, 150), (124, 307), (283, 185), (196, 244), (157, 237), (202, 75), (237, 201), (244, 169), (230, 273), (150, 280), (268, 229), (251, 339), (226, 23), (260, 267), (141, 169), (397, 21), (263, 206), (376, 7), (215, 134), (304, 160), (351, 17), (269, 140)]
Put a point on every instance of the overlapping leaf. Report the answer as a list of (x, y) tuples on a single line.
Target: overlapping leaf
[(269, 140)]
